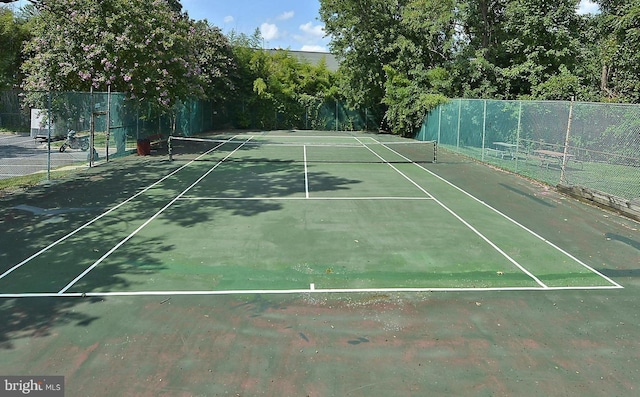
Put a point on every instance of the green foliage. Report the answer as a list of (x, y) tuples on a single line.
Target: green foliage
[(387, 49), (409, 101), (620, 42), (13, 34), (83, 44), (216, 62), (509, 47), (399, 58)]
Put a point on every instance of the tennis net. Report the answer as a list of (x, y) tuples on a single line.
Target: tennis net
[(302, 149)]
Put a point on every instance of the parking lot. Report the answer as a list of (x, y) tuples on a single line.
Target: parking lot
[(22, 155)]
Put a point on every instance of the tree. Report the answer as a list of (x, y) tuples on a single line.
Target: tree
[(509, 47), (216, 61), (619, 33), (388, 47), (13, 35), (362, 34), (543, 37), (83, 44)]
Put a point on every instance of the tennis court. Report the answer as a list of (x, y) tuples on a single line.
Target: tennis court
[(293, 212), (323, 264)]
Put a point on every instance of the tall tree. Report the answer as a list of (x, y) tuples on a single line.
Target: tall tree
[(216, 61), (79, 44), (362, 34), (386, 46), (510, 47), (619, 32), (13, 35), (543, 37)]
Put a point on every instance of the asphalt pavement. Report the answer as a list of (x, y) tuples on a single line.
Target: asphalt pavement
[(22, 155)]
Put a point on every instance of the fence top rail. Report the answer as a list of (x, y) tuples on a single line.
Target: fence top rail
[(556, 101)]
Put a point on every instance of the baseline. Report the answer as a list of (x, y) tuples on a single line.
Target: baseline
[(355, 198), (310, 290)]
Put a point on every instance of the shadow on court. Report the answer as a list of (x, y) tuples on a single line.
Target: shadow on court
[(626, 240), (507, 343), (526, 195), (28, 318), (31, 220), (31, 227)]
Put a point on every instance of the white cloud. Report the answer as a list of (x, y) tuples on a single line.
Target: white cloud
[(286, 15), (311, 38), (228, 19), (314, 31), (313, 48), (269, 31), (588, 7)]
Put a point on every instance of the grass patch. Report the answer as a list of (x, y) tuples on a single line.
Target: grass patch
[(13, 131), (9, 185)]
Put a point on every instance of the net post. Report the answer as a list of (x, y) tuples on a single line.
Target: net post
[(169, 148)]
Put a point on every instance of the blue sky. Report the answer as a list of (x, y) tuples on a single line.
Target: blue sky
[(292, 24)]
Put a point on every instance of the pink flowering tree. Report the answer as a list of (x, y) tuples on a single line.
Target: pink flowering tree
[(141, 47)]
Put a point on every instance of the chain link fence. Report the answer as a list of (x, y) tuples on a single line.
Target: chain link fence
[(34, 125), (594, 146), (308, 113)]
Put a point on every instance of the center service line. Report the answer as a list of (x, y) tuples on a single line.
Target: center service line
[(306, 172)]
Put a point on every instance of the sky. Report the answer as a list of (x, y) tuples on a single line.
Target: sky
[(289, 24), (292, 24)]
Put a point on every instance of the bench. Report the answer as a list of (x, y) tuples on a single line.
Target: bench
[(546, 161), (496, 153), (156, 139)]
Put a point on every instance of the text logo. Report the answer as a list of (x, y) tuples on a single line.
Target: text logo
[(38, 386)]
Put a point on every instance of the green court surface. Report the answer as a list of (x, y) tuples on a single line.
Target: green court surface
[(271, 218), (319, 264)]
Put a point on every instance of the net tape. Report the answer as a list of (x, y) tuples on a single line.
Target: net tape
[(303, 149)]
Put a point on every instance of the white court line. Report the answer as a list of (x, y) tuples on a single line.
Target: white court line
[(306, 172), (130, 236), (391, 198), (309, 136), (514, 222), (94, 220), (295, 291), (458, 217), (311, 290)]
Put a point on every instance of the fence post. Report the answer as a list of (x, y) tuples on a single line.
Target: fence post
[(108, 121), (484, 127), (92, 127), (337, 121), (49, 136), (563, 176), (439, 122), (459, 117), (518, 134)]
